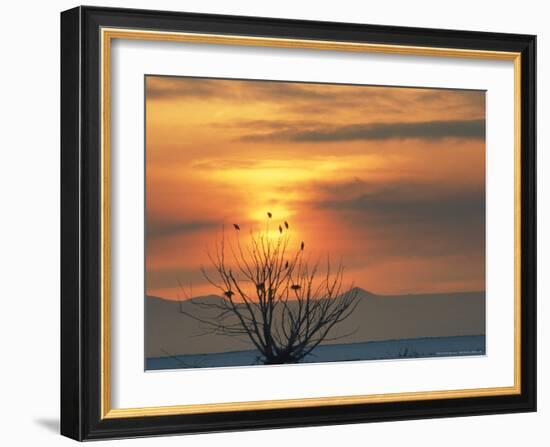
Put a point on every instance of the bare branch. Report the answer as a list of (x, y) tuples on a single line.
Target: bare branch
[(272, 297)]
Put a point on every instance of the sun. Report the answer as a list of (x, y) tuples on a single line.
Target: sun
[(273, 222)]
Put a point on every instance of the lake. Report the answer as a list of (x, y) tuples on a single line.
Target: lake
[(374, 350)]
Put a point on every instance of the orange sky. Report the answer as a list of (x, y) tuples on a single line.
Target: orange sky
[(390, 180)]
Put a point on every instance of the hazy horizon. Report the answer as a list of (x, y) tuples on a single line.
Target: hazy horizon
[(371, 292)]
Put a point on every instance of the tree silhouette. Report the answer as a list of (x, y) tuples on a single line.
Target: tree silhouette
[(273, 295)]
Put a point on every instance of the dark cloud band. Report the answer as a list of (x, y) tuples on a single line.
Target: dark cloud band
[(172, 228), (430, 130)]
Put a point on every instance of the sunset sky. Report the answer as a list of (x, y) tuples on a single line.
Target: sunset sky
[(390, 180)]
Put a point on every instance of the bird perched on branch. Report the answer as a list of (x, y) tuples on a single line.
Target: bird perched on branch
[(286, 224), (295, 287), (236, 227), (286, 264), (269, 215), (280, 229), (229, 294), (302, 246)]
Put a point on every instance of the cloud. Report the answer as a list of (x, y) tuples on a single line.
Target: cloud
[(444, 98), (233, 89), (429, 130), (304, 91), (157, 229), (283, 90), (164, 87), (402, 200), (393, 203), (266, 125), (224, 163), (409, 219), (315, 98)]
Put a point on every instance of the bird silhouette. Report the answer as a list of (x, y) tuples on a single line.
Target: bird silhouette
[(229, 294), (286, 264), (236, 227), (302, 246), (280, 229), (269, 214), (295, 287), (286, 224)]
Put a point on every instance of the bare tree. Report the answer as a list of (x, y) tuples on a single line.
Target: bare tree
[(273, 296)]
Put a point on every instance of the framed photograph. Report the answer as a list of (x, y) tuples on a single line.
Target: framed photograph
[(277, 223)]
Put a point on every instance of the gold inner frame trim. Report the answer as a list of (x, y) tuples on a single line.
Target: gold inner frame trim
[(107, 35)]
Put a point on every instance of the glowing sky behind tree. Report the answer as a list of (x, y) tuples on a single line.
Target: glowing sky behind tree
[(390, 180)]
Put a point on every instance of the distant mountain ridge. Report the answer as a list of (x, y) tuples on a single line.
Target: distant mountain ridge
[(377, 317)]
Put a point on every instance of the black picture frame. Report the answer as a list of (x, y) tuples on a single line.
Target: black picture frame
[(81, 223)]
